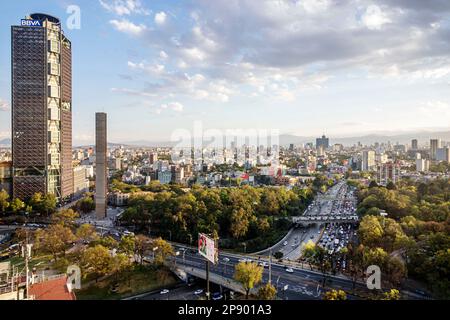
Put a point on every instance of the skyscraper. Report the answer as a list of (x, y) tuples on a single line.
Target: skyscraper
[(41, 108), (414, 144), (100, 164), (324, 141), (434, 145), (368, 160)]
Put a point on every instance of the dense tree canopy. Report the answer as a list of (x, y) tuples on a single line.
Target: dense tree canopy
[(234, 214), (414, 239)]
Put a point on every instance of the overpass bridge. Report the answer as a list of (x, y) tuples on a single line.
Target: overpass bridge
[(319, 219), (183, 271)]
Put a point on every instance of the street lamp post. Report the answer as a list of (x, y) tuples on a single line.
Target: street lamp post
[(154, 249), (278, 279), (175, 258), (270, 266)]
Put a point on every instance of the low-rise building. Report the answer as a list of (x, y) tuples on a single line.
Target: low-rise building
[(80, 182)]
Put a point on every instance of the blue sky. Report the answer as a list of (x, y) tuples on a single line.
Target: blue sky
[(304, 67)]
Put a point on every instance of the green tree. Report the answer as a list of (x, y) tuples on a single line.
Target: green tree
[(143, 245), (108, 242), (36, 201), (119, 263), (17, 205), (373, 184), (163, 251), (370, 231), (278, 255), (396, 270), (49, 203), (308, 252), (65, 217), (86, 233), (267, 292), (127, 245), (391, 186), (86, 204), (392, 294), (96, 260), (239, 223), (249, 274), (4, 203), (56, 239), (335, 295)]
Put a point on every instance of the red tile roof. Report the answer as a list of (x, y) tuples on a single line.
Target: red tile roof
[(52, 290)]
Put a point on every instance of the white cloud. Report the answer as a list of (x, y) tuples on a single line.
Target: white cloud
[(314, 6), (374, 18), (163, 55), (150, 69), (174, 106), (160, 18), (124, 7), (435, 108), (283, 49), (4, 106), (194, 54), (128, 27)]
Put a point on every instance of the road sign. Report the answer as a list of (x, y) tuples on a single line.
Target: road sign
[(207, 248)]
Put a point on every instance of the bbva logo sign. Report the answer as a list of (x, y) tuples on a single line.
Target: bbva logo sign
[(31, 23)]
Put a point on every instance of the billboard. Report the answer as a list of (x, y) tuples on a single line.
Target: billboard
[(207, 247)]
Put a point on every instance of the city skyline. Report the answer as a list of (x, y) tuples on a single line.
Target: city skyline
[(159, 67)]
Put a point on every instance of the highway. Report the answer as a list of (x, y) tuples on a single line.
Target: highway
[(301, 284), (292, 245)]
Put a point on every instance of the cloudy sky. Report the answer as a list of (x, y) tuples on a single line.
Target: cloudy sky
[(304, 67)]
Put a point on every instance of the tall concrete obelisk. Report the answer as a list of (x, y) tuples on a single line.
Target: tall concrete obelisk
[(101, 180)]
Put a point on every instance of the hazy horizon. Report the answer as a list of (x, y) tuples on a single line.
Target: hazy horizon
[(303, 67)]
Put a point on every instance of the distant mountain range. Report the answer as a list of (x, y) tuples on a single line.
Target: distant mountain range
[(404, 138), (286, 139), (5, 142)]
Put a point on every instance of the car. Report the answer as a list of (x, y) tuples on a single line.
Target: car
[(198, 292), (289, 270), (217, 296), (285, 243), (226, 259), (263, 264), (165, 291)]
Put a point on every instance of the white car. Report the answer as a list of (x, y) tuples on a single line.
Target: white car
[(285, 243), (198, 292), (289, 270), (165, 291), (226, 260)]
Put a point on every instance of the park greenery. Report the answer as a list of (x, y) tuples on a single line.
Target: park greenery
[(38, 203), (103, 260), (414, 239), (255, 217)]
